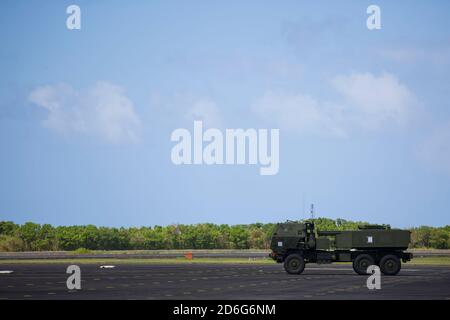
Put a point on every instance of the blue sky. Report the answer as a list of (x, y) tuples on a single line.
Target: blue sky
[(86, 115)]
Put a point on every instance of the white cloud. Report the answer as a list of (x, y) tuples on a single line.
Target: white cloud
[(206, 110), (299, 112), (366, 102), (103, 111), (434, 150), (374, 101)]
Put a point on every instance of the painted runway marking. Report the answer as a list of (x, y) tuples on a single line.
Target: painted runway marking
[(347, 269)]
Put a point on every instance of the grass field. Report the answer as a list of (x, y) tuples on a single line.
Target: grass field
[(416, 261), (431, 261)]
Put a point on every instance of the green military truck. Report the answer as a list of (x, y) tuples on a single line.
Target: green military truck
[(296, 243)]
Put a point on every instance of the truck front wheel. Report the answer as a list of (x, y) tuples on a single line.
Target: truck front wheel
[(390, 265), (294, 264), (361, 263)]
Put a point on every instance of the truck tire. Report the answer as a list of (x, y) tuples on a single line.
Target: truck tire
[(361, 263), (294, 264), (390, 265)]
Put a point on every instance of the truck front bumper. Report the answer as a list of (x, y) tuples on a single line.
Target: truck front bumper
[(407, 256), (276, 257)]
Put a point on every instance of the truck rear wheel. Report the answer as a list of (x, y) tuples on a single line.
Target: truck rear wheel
[(294, 264), (361, 263), (390, 265)]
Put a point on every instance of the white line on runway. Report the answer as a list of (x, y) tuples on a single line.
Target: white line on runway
[(6, 271), (348, 269)]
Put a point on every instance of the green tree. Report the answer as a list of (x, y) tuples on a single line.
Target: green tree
[(8, 228)]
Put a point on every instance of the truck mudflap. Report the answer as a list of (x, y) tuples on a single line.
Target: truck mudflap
[(407, 256)]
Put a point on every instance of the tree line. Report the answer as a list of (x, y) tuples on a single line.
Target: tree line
[(44, 237)]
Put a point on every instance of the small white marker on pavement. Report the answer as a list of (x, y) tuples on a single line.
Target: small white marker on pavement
[(107, 267), (6, 271)]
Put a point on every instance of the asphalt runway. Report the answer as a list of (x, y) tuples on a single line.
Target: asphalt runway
[(219, 281)]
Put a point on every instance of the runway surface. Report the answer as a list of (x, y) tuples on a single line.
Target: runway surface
[(219, 281)]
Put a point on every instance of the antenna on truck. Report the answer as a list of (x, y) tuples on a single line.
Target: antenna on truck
[(303, 213), (312, 210)]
